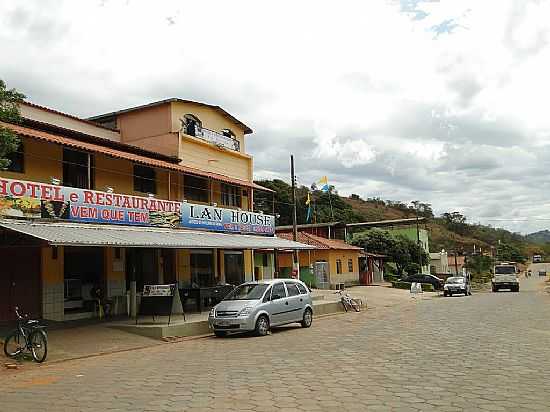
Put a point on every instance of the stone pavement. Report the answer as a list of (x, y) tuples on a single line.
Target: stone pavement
[(484, 352)]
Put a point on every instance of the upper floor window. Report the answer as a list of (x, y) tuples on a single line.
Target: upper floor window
[(145, 179), (78, 169), (231, 195), (17, 159), (228, 133), (195, 188), (192, 125)]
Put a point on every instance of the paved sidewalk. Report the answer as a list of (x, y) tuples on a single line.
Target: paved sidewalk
[(89, 339)]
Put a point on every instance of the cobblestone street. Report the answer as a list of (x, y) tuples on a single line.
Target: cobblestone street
[(489, 351)]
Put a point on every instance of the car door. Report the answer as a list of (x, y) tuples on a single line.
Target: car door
[(278, 306), (295, 302)]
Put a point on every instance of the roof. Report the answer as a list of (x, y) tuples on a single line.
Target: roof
[(459, 260), (386, 222), (311, 225), (247, 130), (320, 242), (86, 234), (120, 154), (70, 116)]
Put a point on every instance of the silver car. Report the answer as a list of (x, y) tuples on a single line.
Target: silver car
[(258, 306), (457, 284)]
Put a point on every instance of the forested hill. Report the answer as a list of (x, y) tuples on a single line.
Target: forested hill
[(450, 231)]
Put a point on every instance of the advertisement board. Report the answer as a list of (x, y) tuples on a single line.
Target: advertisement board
[(24, 199)]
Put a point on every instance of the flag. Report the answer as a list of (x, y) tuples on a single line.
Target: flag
[(308, 204), (323, 184)]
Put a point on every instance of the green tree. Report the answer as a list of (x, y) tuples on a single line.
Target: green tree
[(479, 264), (407, 255), (509, 252), (9, 113)]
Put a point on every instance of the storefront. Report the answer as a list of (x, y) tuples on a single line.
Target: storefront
[(60, 242)]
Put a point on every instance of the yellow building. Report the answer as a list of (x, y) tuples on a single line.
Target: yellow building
[(156, 194), (341, 258)]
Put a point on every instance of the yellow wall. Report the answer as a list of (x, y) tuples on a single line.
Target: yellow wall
[(202, 155), (330, 256), (42, 161), (52, 269), (183, 265), (112, 272)]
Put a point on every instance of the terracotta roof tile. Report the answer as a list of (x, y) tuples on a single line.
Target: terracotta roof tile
[(120, 154), (320, 242)]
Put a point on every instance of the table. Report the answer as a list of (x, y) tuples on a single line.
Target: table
[(201, 295)]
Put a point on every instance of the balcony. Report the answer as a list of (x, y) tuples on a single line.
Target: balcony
[(218, 139)]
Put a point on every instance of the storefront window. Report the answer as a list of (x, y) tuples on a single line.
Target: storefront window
[(195, 189), (202, 268), (350, 265), (234, 267)]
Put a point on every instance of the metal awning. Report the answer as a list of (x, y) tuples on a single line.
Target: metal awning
[(86, 234)]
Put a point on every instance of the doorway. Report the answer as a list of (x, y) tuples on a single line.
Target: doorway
[(142, 265), (20, 282), (84, 271), (234, 267)]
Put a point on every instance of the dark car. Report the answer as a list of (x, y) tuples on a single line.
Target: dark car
[(436, 282)]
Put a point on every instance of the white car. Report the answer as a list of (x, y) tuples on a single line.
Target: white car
[(457, 284)]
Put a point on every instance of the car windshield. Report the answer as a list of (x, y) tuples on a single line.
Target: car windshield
[(505, 270), (455, 280), (248, 291)]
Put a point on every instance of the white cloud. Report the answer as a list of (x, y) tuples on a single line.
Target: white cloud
[(448, 105)]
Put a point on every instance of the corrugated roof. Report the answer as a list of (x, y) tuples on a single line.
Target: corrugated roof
[(86, 234), (97, 148), (247, 130), (320, 242), (386, 222)]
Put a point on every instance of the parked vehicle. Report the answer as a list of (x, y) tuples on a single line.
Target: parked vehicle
[(537, 258), (29, 336), (348, 302), (259, 306), (457, 284), (505, 277), (542, 273), (436, 282)]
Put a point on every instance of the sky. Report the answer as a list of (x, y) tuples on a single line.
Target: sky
[(439, 101)]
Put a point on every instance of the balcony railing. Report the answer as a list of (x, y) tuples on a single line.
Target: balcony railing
[(218, 139)]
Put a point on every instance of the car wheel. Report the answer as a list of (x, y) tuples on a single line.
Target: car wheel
[(220, 333), (445, 294), (450, 294), (307, 319), (262, 326), (495, 289)]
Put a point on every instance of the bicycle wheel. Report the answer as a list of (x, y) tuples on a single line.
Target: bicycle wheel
[(355, 305), (39, 345), (14, 344), (344, 303)]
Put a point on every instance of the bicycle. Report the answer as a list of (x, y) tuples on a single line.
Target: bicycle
[(29, 336), (348, 302)]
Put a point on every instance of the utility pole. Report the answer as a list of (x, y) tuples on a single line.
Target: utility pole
[(295, 265), (415, 203), (456, 265)]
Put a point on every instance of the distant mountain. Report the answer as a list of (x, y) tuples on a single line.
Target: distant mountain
[(540, 237)]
